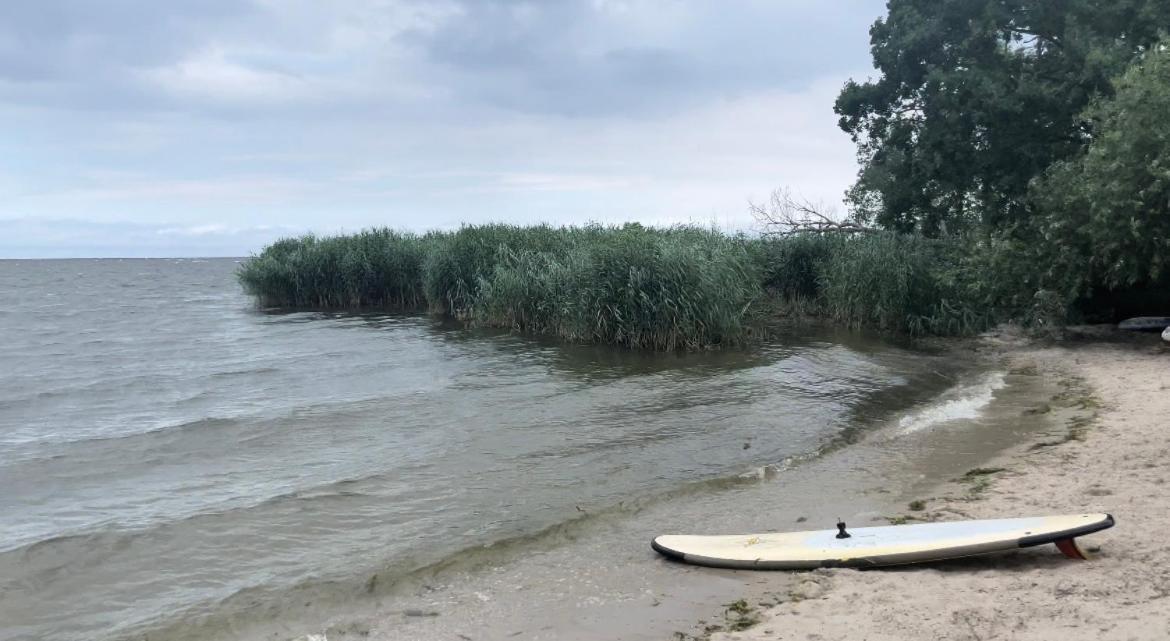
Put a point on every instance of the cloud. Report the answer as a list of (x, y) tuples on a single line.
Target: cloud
[(296, 114), (563, 182), (62, 40), (211, 74), (635, 58), (577, 58)]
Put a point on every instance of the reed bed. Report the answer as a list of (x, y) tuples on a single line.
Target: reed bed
[(632, 286), (375, 268), (657, 289)]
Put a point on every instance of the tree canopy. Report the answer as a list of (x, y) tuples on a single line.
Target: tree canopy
[(976, 98), (1113, 202)]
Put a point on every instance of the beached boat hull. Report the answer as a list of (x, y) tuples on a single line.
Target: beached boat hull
[(879, 546)]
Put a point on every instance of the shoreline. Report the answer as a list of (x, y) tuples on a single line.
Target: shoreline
[(1110, 458), (634, 594)]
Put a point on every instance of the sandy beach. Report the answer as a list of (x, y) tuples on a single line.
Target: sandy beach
[(1111, 458)]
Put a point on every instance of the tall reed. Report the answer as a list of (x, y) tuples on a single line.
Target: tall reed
[(374, 268), (898, 282), (639, 287)]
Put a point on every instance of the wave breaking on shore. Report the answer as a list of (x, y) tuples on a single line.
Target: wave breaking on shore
[(962, 402)]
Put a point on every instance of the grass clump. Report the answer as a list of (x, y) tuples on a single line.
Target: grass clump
[(982, 471), (900, 519), (980, 479), (740, 616)]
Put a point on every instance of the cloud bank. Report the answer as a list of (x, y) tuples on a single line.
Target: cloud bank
[(251, 120)]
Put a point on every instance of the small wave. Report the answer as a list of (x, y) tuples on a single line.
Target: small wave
[(42, 560), (244, 372), (64, 547), (961, 402), (97, 436), (263, 602), (207, 422), (772, 470)]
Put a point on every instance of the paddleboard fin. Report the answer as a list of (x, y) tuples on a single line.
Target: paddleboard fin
[(1070, 549)]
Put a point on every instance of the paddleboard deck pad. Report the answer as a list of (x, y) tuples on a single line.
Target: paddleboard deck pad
[(880, 546)]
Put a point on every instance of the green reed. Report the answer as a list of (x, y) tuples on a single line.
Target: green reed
[(886, 281), (374, 268), (634, 286), (681, 288)]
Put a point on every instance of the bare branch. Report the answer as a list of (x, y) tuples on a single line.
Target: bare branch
[(786, 214)]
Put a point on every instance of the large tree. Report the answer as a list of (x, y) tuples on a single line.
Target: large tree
[(975, 98), (1110, 207)]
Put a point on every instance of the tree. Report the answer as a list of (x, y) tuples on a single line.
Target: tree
[(788, 214), (1110, 207), (976, 98)]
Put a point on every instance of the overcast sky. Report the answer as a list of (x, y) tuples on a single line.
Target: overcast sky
[(157, 128)]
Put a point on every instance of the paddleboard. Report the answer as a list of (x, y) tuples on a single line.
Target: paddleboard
[(878, 546), (1145, 324)]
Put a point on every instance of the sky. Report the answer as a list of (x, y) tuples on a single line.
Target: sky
[(213, 127)]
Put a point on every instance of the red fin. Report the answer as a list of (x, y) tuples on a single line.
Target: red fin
[(1070, 549)]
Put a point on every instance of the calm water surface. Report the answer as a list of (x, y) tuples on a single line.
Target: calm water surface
[(170, 456)]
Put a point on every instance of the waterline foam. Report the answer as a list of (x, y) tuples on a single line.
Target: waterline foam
[(966, 401)]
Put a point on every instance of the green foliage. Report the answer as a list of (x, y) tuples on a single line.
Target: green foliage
[(457, 262), (680, 288), (975, 98), (792, 266), (376, 268), (1108, 210), (892, 282), (1004, 275), (665, 289), (901, 283)]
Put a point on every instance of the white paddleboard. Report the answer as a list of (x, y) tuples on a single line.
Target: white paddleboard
[(877, 546)]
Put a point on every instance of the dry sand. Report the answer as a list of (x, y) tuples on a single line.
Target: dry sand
[(1117, 462)]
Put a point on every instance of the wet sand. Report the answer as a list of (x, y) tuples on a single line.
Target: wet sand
[(1116, 459)]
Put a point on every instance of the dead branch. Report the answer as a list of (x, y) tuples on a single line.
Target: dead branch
[(786, 214)]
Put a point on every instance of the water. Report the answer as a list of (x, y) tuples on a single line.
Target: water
[(177, 464)]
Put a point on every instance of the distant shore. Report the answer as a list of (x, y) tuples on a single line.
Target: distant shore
[(1114, 462)]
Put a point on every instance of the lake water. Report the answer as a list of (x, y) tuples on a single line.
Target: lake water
[(176, 464)]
